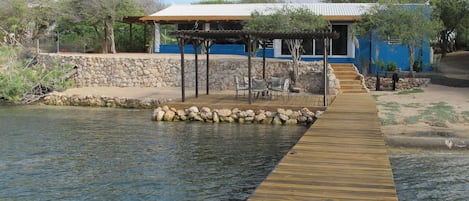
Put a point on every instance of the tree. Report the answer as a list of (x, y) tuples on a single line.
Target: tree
[(288, 19), (27, 20), (452, 14), (102, 14), (409, 24)]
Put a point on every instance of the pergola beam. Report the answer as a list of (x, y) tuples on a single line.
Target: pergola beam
[(196, 35)]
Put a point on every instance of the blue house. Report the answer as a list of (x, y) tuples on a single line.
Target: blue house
[(348, 48)]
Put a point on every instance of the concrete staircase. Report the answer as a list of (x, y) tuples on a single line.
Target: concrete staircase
[(350, 79)]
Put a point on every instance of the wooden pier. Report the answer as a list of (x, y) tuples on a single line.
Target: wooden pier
[(341, 157)]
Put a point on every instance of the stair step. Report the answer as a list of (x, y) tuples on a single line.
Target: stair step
[(347, 77), (345, 72), (358, 82), (354, 91), (350, 86)]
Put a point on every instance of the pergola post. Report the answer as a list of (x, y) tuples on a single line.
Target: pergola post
[(181, 43), (326, 44), (195, 43), (249, 43), (264, 45), (207, 53)]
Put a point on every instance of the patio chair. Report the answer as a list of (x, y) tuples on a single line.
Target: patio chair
[(259, 86), (240, 86), (280, 85)]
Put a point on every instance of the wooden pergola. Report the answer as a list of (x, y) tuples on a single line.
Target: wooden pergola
[(206, 38)]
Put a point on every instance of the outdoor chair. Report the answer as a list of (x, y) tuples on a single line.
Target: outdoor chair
[(240, 86), (259, 86), (280, 85)]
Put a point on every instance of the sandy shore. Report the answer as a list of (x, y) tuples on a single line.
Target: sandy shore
[(424, 117)]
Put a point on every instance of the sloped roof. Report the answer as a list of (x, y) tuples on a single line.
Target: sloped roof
[(211, 12)]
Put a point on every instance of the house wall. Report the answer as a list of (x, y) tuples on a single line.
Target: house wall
[(388, 53)]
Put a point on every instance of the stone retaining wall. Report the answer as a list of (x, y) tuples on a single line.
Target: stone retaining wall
[(402, 84), (143, 70), (61, 99)]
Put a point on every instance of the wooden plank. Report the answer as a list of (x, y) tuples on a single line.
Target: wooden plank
[(342, 156)]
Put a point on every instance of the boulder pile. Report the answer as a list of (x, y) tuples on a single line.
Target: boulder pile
[(205, 114)]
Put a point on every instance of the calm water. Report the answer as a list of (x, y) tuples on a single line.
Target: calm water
[(437, 175), (64, 153)]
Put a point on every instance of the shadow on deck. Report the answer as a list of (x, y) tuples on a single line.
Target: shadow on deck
[(229, 101)]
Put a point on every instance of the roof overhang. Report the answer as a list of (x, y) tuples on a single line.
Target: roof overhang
[(334, 12)]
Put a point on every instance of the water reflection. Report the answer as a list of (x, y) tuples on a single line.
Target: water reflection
[(63, 153)]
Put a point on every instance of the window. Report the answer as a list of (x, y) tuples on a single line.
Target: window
[(339, 46), (312, 47)]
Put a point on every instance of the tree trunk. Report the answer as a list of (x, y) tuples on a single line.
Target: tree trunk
[(444, 43), (109, 44), (105, 42), (294, 46), (411, 60)]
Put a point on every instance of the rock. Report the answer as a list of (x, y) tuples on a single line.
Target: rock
[(260, 117), (165, 108), (205, 110), (283, 117), (291, 122), (276, 121), (250, 113), (269, 114), (216, 119), (224, 112), (318, 114), (280, 111), (302, 119), (194, 109), (198, 118), (295, 115), (267, 120), (169, 115), (160, 115), (288, 112)]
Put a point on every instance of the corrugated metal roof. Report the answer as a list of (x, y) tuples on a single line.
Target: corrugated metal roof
[(243, 11)]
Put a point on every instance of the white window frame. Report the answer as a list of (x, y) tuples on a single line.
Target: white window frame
[(350, 46)]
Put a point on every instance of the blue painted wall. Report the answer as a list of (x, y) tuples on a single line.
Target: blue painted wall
[(387, 53)]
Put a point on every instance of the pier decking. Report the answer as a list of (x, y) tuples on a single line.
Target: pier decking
[(228, 100), (341, 157)]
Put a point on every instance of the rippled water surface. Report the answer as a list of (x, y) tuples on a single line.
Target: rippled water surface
[(63, 153), (431, 176)]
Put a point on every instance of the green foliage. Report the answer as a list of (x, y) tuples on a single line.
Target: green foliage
[(452, 14), (465, 115), (391, 66), (18, 80), (287, 19), (391, 106), (408, 23), (413, 105), (410, 91), (438, 114), (390, 119)]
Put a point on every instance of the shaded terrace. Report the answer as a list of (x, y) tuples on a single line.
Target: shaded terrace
[(207, 38)]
